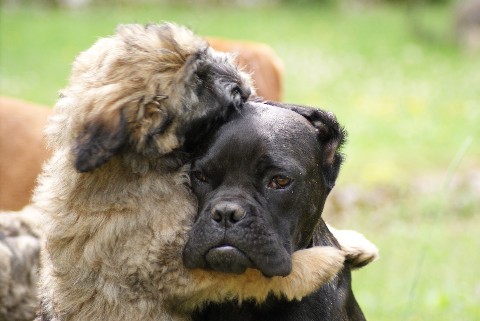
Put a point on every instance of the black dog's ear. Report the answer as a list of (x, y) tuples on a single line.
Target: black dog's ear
[(101, 138), (330, 134)]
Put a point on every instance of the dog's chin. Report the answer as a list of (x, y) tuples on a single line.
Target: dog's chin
[(227, 259)]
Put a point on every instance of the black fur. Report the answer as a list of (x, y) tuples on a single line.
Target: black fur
[(97, 143), (220, 88), (232, 171), (330, 134)]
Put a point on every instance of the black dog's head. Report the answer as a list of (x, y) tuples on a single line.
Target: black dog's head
[(261, 184)]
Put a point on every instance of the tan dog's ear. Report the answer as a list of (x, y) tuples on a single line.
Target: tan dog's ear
[(201, 77), (101, 138)]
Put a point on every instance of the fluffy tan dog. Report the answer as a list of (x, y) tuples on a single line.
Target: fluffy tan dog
[(115, 193), (21, 123)]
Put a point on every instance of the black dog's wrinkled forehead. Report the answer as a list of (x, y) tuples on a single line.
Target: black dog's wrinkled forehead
[(261, 126), (273, 123), (302, 134)]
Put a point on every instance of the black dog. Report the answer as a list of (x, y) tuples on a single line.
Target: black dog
[(261, 185)]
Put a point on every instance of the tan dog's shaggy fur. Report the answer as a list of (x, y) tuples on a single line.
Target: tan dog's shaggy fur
[(19, 249), (116, 203), (20, 238), (23, 150)]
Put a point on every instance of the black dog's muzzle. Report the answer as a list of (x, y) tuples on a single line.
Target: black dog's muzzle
[(230, 235), (227, 213)]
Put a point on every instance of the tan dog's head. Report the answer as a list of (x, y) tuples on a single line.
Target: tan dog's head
[(142, 91)]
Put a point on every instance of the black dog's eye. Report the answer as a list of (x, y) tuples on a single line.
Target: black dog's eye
[(279, 182), (200, 176)]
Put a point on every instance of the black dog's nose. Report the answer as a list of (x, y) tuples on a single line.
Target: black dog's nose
[(228, 213)]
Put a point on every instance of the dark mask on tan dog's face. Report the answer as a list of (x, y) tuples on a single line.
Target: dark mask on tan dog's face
[(158, 88), (261, 185)]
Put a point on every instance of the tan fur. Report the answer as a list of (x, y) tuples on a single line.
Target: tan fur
[(115, 233), (290, 286), (260, 60), (19, 248), (359, 251), (22, 150), (23, 153), (20, 242)]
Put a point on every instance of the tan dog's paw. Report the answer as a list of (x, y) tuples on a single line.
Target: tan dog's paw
[(311, 268), (359, 251)]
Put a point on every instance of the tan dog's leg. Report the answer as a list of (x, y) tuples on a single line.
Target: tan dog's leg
[(310, 269)]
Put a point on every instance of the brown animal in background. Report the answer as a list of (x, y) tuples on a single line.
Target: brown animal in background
[(22, 150), (115, 195), (258, 59), (22, 147)]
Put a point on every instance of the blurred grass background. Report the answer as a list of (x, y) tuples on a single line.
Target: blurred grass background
[(410, 101)]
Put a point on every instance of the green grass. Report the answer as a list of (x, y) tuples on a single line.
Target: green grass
[(411, 107), (426, 271)]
